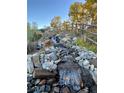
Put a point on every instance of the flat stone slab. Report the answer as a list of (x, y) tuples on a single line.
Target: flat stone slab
[(42, 73)]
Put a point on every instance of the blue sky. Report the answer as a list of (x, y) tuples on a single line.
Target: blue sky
[(42, 11)]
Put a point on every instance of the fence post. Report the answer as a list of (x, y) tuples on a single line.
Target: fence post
[(84, 37)]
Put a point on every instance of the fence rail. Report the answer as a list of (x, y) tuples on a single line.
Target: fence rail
[(91, 33), (91, 40)]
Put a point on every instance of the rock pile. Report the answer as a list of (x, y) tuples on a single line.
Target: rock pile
[(65, 68)]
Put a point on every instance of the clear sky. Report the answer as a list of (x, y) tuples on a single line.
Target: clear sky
[(42, 11)]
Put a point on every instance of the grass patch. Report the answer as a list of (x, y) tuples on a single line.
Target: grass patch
[(80, 42)]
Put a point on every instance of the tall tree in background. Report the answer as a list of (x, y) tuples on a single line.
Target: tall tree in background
[(83, 13), (75, 13), (56, 23), (34, 26), (66, 26), (91, 11), (28, 26), (32, 32), (29, 32)]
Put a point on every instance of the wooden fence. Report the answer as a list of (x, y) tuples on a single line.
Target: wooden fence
[(94, 34)]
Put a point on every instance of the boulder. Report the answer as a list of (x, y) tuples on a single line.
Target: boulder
[(70, 74)]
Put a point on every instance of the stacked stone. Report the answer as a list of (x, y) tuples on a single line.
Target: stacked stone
[(68, 69)]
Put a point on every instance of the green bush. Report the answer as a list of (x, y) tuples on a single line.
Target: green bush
[(80, 42), (33, 36), (36, 36)]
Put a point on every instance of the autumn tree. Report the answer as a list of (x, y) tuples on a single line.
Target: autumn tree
[(66, 26), (82, 14), (75, 13), (91, 11), (56, 23)]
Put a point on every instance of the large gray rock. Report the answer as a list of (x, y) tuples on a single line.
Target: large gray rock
[(70, 74)]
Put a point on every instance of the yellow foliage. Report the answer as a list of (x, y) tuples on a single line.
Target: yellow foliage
[(83, 13)]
